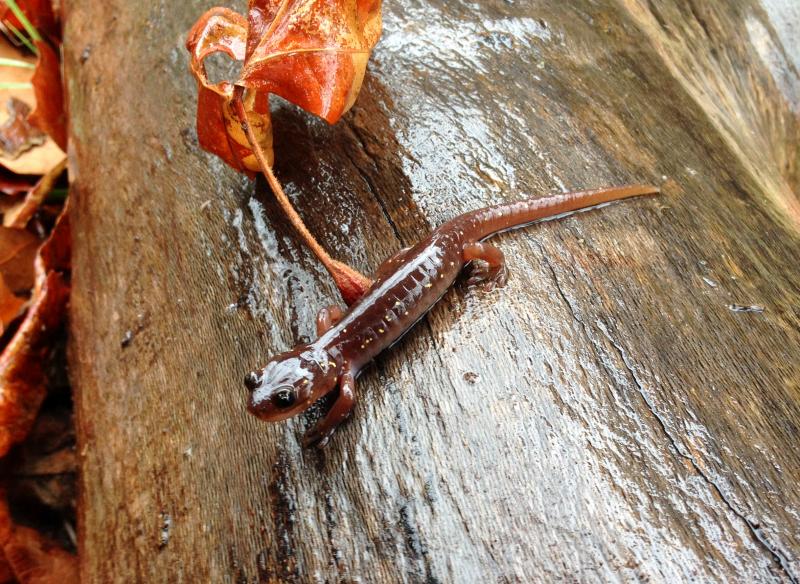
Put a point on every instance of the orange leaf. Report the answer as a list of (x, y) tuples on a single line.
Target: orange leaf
[(10, 305), (17, 252), (312, 52), (22, 380), (218, 129), (35, 161), (49, 115)]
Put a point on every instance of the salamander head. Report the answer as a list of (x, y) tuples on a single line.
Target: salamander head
[(290, 383)]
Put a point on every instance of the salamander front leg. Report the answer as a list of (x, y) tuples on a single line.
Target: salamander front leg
[(328, 317), (491, 271), (320, 434)]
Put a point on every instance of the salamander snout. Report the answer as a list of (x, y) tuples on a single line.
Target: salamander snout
[(251, 380), (290, 383)]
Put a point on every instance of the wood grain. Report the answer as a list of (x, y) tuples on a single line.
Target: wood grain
[(605, 417)]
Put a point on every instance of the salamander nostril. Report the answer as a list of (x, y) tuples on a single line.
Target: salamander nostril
[(251, 381)]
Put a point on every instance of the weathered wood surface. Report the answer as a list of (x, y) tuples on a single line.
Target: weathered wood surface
[(605, 417)]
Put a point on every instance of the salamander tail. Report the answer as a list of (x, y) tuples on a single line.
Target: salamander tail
[(485, 222)]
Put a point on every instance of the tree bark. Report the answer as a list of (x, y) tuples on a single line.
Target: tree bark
[(607, 416)]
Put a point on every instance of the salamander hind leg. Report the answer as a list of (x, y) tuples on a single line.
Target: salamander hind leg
[(491, 270), (328, 317), (321, 433)]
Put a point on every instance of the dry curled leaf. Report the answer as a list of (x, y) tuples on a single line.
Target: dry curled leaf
[(11, 305), (311, 52), (35, 161), (31, 557), (23, 385), (49, 115), (17, 252), (17, 134), (18, 214)]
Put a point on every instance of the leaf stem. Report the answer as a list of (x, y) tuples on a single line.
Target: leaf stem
[(351, 283)]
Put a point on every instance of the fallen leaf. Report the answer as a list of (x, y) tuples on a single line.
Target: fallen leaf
[(17, 252), (18, 215), (49, 115), (22, 380), (17, 134), (33, 558), (218, 128), (11, 306), (39, 160), (313, 53)]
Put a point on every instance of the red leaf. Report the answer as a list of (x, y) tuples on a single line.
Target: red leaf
[(218, 129), (49, 115), (22, 380), (313, 53), (11, 306), (17, 252)]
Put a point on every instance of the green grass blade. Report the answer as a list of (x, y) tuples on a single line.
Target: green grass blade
[(22, 38), (29, 28), (15, 85), (57, 195), (16, 63)]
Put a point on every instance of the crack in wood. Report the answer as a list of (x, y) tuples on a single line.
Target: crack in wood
[(776, 555)]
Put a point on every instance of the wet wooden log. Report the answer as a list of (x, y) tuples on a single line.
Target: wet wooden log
[(612, 414)]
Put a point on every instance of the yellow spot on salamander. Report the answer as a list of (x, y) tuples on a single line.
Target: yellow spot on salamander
[(362, 346), (428, 285), (381, 331), (331, 363)]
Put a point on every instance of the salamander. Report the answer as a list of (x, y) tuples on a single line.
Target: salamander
[(407, 286)]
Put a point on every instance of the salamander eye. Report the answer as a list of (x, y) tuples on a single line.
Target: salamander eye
[(284, 398)]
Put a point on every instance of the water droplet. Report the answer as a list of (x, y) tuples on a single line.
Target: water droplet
[(755, 308), (471, 377)]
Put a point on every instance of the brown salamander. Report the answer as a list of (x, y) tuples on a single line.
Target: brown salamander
[(408, 284)]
